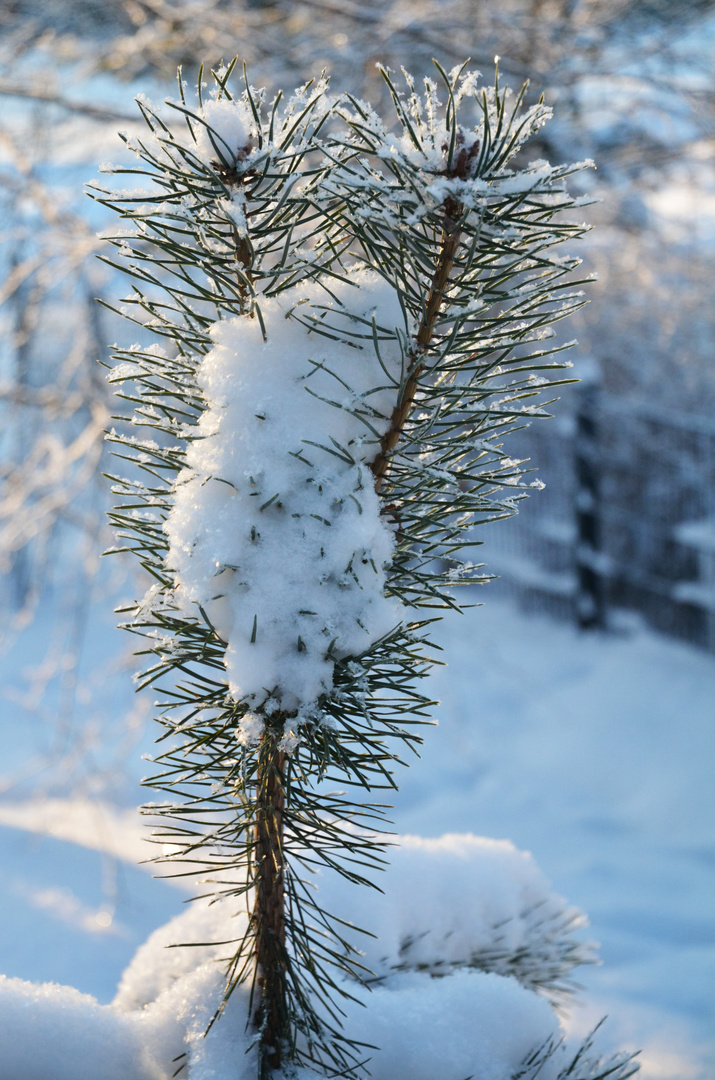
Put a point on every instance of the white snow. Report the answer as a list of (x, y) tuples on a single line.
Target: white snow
[(456, 899), (156, 965), (230, 122), (488, 1023), (470, 1022), (595, 752), (260, 502), (49, 1031), (497, 900)]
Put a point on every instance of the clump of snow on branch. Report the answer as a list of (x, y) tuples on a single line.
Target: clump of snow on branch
[(226, 131), (276, 534), (443, 157)]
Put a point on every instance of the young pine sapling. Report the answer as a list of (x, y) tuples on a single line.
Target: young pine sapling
[(341, 321)]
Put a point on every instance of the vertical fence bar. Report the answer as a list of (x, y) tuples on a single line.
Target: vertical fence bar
[(590, 605)]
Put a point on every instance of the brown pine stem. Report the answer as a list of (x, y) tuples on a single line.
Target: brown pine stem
[(268, 916), (451, 236), (234, 177), (245, 258), (271, 1016)]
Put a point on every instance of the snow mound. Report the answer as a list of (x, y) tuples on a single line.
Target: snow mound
[(449, 903), (51, 1032), (456, 901), (204, 930), (469, 1024), (259, 502), (465, 901)]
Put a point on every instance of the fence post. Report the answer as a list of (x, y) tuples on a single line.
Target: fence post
[(590, 600)]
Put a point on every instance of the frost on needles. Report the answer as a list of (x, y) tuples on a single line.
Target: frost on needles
[(342, 319)]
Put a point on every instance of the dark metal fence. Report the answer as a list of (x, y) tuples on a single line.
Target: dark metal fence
[(626, 521)]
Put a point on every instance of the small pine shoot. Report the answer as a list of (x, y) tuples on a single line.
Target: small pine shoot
[(340, 319)]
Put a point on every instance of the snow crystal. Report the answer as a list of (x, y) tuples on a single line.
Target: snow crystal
[(276, 530), (521, 182), (250, 729)]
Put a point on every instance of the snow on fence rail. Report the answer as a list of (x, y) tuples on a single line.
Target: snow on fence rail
[(626, 521)]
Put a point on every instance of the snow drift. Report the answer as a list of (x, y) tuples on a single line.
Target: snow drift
[(461, 901)]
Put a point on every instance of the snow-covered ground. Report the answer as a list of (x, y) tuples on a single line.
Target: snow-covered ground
[(594, 753)]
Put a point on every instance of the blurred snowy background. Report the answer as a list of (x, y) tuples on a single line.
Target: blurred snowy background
[(593, 749)]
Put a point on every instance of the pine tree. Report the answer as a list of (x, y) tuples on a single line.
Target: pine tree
[(351, 320)]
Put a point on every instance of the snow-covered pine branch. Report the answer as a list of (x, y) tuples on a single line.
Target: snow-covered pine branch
[(465, 239), (351, 321)]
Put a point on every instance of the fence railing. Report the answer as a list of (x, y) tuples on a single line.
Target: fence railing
[(626, 521)]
